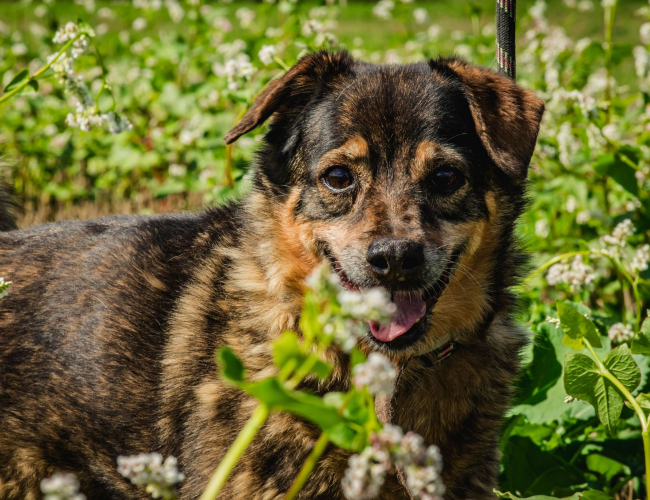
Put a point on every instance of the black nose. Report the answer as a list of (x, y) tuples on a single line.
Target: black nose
[(395, 260)]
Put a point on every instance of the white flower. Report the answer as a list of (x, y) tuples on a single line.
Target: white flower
[(383, 9), (611, 132), (577, 274), (568, 144), (542, 228), (246, 17), (61, 486), (266, 54), (553, 321), (420, 15), (150, 470), (311, 27), (371, 305), (619, 332), (569, 399), (391, 447), (640, 260), (139, 24), (585, 5), (614, 242), (608, 3), (434, 32), (377, 374), (234, 69), (571, 204), (583, 217), (644, 33), (67, 32)]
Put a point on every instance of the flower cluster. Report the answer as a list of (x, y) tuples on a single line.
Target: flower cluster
[(61, 486), (86, 115), (266, 54), (392, 448), (148, 469), (344, 319), (577, 274), (4, 287), (377, 374), (235, 70), (553, 321), (615, 242), (620, 332), (641, 259)]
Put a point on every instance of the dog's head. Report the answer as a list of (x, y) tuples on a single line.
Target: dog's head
[(407, 177)]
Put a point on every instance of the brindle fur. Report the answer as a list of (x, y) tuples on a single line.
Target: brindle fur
[(108, 334)]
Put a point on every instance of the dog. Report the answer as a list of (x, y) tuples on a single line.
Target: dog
[(409, 177)]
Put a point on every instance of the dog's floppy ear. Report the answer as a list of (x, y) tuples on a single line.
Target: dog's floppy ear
[(297, 85), (506, 116)]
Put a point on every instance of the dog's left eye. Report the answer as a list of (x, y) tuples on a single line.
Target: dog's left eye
[(446, 180), (338, 178)]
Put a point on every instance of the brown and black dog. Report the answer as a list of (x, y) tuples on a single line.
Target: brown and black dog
[(411, 177)]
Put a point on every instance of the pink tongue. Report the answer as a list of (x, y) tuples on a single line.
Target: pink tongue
[(409, 310)]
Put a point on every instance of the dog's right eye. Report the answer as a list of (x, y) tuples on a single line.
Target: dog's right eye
[(338, 178)]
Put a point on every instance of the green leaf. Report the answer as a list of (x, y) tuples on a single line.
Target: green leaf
[(231, 366), (356, 357), (287, 347), (343, 436), (33, 84), (612, 164), (641, 341), (584, 380), (576, 328), (621, 364), (17, 80), (319, 367), (106, 101), (644, 402), (586, 495), (604, 466)]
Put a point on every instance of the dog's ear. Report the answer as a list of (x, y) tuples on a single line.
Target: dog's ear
[(296, 86), (506, 116)]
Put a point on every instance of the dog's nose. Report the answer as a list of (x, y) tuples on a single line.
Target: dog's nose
[(395, 260)]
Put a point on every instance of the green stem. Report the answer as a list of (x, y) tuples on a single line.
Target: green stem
[(281, 63), (646, 451), (308, 466), (554, 260), (237, 449), (20, 87)]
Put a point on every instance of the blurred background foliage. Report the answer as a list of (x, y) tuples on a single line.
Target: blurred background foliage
[(182, 72)]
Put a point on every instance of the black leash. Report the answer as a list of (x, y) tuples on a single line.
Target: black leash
[(506, 16)]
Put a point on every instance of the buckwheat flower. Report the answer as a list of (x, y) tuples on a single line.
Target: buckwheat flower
[(644, 33), (148, 469), (641, 258), (311, 27), (434, 32), (569, 399), (246, 17), (554, 321), (266, 54), (377, 374), (66, 33), (139, 24), (619, 333), (61, 486), (610, 131), (585, 5), (365, 475), (420, 15), (608, 3), (577, 274), (370, 305), (614, 242), (541, 228), (568, 144), (383, 9), (571, 204)]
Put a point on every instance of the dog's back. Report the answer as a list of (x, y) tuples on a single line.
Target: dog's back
[(7, 209), (82, 333)]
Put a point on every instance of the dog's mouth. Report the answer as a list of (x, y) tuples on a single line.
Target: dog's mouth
[(412, 308)]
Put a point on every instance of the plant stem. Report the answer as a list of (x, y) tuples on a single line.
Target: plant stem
[(233, 455), (646, 451), (308, 466), (17, 89)]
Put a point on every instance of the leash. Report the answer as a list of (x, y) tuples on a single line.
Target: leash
[(506, 16)]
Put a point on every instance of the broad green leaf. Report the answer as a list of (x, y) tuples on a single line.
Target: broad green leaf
[(33, 84), (621, 364), (231, 366), (576, 327), (19, 79), (644, 402), (614, 166), (584, 380), (641, 341), (271, 392), (604, 466), (343, 436)]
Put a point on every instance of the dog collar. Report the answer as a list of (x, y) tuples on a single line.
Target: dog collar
[(444, 351)]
